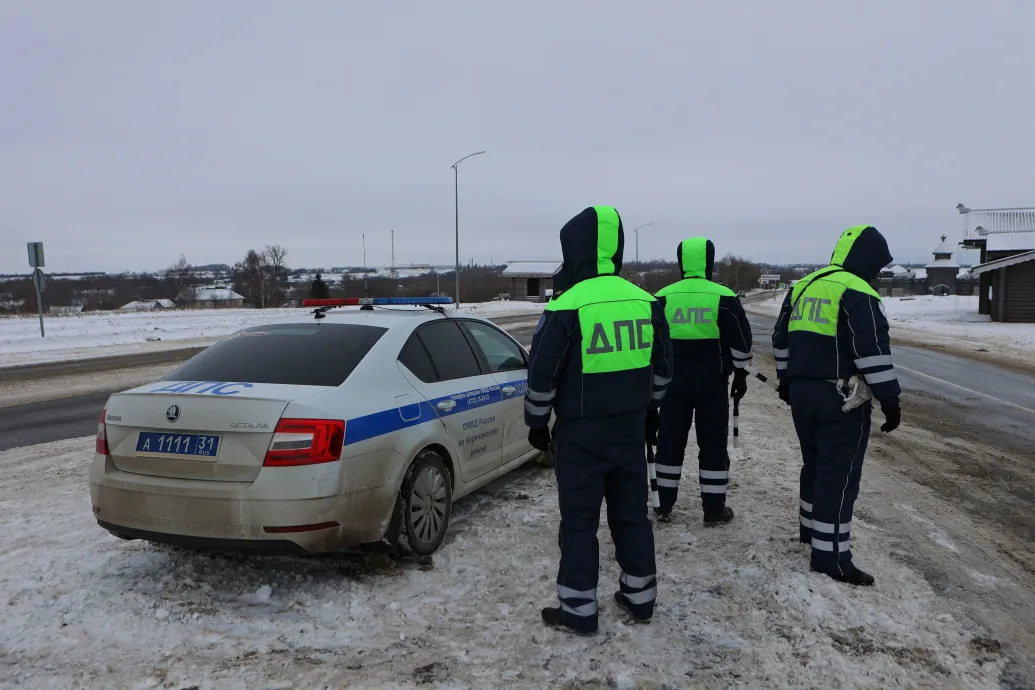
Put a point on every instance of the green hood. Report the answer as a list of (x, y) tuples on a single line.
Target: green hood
[(696, 257)]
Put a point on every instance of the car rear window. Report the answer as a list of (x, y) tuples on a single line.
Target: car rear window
[(299, 354)]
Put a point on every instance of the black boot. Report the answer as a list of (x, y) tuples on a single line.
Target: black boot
[(805, 535), (555, 618), (714, 519), (851, 576), (624, 603), (662, 514)]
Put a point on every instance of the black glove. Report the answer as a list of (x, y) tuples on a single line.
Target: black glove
[(740, 384), (539, 438), (784, 391), (652, 426), (892, 418)]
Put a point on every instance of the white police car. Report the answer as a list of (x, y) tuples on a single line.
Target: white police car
[(326, 430)]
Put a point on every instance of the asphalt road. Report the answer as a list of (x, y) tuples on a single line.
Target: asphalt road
[(977, 393), (72, 417), (970, 392)]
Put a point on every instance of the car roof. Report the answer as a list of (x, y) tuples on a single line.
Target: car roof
[(391, 317)]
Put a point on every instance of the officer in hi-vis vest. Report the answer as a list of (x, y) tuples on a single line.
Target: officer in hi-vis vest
[(601, 361), (830, 338), (711, 339)]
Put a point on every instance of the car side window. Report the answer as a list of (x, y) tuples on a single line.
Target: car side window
[(415, 358), (502, 353), (449, 350)]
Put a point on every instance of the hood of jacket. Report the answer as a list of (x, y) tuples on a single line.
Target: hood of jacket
[(862, 251), (696, 257), (592, 244)]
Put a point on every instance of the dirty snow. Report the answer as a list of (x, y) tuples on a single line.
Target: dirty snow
[(738, 606), (102, 334), (53, 388), (952, 322)]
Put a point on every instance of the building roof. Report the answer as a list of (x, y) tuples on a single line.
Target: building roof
[(1009, 241), (919, 273), (145, 304), (210, 295), (532, 269), (898, 270), (1003, 263), (992, 221), (944, 248), (942, 263)]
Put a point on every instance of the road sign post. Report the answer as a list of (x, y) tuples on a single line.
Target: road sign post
[(39, 279)]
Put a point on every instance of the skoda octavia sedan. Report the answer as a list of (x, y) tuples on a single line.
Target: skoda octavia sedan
[(332, 429)]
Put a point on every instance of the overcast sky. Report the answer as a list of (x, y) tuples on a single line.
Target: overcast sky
[(132, 132)]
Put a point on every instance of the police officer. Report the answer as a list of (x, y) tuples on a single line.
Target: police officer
[(601, 361), (832, 327), (711, 339)]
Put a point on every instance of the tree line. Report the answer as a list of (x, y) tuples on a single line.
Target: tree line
[(262, 278)]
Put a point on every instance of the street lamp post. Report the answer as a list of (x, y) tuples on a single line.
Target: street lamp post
[(456, 201), (636, 231)]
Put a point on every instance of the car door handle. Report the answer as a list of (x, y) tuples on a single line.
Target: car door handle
[(508, 390), (446, 405)]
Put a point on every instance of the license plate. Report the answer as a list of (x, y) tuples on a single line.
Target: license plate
[(197, 446)]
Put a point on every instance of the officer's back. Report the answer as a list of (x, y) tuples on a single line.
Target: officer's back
[(602, 329), (601, 359)]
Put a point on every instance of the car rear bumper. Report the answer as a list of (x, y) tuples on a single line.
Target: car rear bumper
[(269, 514)]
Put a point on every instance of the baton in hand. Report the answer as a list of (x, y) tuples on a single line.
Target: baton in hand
[(736, 422), (761, 377)]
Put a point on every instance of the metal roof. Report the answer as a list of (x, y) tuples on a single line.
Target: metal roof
[(997, 220), (532, 269), (1003, 263), (1010, 241)]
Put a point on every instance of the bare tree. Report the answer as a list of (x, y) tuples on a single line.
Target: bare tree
[(273, 256), (182, 281)]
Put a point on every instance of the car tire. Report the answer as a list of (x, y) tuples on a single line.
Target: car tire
[(426, 499)]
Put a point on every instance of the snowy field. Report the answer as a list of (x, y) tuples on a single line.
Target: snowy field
[(118, 333), (737, 605), (951, 322)]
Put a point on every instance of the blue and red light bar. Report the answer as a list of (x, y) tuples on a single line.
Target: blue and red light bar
[(375, 301)]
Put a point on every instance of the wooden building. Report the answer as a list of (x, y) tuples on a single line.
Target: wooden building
[(1012, 284), (531, 281)]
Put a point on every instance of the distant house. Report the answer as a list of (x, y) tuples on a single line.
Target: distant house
[(1006, 239), (148, 305), (528, 279), (943, 270), (65, 311), (210, 298)]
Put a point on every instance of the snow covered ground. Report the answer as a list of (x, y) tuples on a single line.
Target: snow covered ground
[(950, 322), (737, 608), (117, 333)]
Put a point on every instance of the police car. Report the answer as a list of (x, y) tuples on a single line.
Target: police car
[(332, 429)]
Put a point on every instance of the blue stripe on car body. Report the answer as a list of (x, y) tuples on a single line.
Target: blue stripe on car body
[(389, 421)]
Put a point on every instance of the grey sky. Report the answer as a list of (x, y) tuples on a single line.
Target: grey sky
[(131, 132)]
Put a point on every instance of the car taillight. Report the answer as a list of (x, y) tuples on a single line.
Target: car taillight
[(101, 444), (305, 442)]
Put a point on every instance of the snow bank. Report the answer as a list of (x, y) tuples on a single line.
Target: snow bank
[(119, 333), (737, 608), (951, 321)]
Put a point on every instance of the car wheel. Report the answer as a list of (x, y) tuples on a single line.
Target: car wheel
[(427, 502)]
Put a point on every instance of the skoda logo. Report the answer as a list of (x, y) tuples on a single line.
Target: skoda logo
[(173, 413)]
